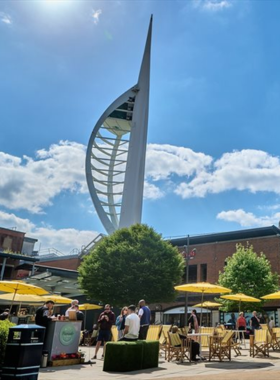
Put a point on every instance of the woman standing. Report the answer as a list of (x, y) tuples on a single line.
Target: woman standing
[(120, 322), (194, 322), (241, 324)]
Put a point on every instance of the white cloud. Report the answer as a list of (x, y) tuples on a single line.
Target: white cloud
[(250, 170), (96, 15), (5, 18), (248, 219), (152, 192), (163, 161), (64, 240), (212, 5), (32, 184)]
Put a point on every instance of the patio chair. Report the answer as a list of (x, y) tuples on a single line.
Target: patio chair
[(154, 332), (259, 343), (276, 337), (204, 340), (220, 347), (178, 348), (163, 342), (114, 332), (264, 326)]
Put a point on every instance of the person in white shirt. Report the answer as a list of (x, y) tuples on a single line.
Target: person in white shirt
[(72, 307), (132, 325), (271, 323)]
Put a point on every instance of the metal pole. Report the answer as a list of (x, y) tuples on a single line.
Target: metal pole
[(3, 268), (186, 248)]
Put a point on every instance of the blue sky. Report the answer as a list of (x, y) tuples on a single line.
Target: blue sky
[(213, 140)]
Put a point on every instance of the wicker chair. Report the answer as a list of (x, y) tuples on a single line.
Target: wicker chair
[(220, 347), (178, 348), (114, 332), (276, 338), (259, 343), (154, 332)]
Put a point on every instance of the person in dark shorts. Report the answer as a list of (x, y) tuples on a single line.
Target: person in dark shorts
[(144, 314), (105, 321)]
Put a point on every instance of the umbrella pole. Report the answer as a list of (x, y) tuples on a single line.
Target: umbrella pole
[(201, 308), (85, 323), (12, 302)]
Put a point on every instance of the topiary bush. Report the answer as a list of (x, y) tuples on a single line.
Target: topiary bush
[(4, 331)]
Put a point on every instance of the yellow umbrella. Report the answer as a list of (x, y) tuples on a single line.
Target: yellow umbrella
[(57, 299), (88, 306), (202, 287), (272, 296), (240, 297), (20, 298), (208, 304), (18, 287)]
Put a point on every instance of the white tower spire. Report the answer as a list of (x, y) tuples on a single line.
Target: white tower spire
[(115, 160)]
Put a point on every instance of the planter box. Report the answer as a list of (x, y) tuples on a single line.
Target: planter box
[(64, 362), (131, 356)]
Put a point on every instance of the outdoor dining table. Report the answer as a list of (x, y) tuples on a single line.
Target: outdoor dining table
[(198, 338), (241, 341)]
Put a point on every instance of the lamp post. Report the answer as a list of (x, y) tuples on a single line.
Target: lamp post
[(188, 256)]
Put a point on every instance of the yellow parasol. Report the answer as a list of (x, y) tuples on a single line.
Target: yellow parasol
[(240, 297), (18, 287), (88, 306), (272, 296), (57, 299), (20, 298), (209, 305), (202, 287)]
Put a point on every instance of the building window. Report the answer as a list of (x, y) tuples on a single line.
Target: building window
[(192, 273), (203, 272)]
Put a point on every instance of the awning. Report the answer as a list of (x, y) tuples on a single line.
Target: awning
[(181, 310)]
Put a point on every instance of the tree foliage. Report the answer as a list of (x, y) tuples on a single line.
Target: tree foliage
[(246, 272), (131, 264)]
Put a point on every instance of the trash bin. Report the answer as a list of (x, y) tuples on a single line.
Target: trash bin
[(23, 352)]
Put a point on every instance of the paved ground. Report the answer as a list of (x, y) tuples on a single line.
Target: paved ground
[(240, 368)]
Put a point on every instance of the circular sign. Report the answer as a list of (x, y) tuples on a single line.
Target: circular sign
[(67, 334)]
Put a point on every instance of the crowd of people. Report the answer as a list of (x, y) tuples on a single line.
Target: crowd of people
[(132, 324)]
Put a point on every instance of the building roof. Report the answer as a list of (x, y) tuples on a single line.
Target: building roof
[(55, 280), (226, 236), (18, 256)]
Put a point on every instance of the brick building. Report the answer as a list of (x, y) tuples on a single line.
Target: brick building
[(14, 248), (211, 252)]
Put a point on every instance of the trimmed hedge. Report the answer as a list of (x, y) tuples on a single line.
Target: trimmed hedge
[(4, 332), (131, 356)]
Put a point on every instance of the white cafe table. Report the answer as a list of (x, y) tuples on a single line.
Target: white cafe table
[(241, 341)]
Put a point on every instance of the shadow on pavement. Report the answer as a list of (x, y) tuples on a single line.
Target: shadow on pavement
[(238, 365)]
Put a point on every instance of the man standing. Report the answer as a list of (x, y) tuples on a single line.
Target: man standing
[(44, 313), (105, 320), (254, 322), (145, 316), (44, 316), (132, 325), (72, 307), (80, 316)]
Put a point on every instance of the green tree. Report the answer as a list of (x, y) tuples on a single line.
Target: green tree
[(248, 273), (131, 264)]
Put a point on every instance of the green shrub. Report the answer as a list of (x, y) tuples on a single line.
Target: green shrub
[(4, 331)]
